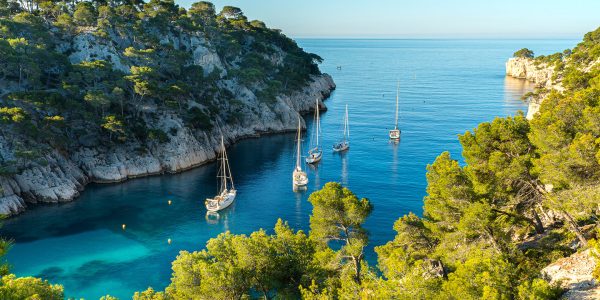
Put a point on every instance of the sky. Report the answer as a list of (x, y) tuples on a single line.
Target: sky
[(423, 18)]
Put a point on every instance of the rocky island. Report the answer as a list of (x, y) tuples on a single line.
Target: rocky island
[(108, 93)]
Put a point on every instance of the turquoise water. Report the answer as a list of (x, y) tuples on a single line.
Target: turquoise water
[(447, 87)]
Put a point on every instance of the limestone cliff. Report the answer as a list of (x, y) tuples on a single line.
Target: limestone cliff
[(540, 74), (61, 174), (64, 176), (545, 76)]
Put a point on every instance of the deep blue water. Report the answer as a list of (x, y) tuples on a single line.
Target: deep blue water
[(447, 87)]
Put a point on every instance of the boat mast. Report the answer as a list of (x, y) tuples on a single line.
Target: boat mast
[(397, 96), (298, 155), (346, 127), (318, 125), (223, 168), (230, 176)]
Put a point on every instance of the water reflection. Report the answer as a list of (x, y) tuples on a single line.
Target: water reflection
[(212, 217), (299, 197), (394, 144), (514, 89), (344, 161)]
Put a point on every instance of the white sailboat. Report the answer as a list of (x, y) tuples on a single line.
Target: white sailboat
[(316, 153), (299, 177), (395, 133), (344, 144), (227, 192)]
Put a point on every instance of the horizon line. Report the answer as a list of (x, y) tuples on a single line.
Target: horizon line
[(427, 38)]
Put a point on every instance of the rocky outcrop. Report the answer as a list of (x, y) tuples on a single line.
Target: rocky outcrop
[(541, 74), (526, 68), (87, 47), (64, 176), (574, 273)]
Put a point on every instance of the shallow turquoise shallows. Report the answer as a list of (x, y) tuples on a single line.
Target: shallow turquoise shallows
[(446, 87)]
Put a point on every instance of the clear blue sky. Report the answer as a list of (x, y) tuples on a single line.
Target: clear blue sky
[(423, 18)]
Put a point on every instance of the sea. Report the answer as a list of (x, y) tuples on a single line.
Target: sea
[(447, 87)]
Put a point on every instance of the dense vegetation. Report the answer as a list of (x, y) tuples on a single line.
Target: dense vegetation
[(527, 195), (56, 104)]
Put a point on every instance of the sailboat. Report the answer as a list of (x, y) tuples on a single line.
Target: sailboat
[(315, 154), (299, 177), (344, 144), (395, 133), (227, 192)]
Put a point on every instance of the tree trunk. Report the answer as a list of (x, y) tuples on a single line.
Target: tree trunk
[(357, 268), (574, 228), (539, 226), (492, 239), (544, 213), (20, 75)]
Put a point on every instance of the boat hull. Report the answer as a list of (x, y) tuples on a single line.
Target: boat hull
[(395, 134), (339, 147), (299, 178), (221, 202), (313, 159), (314, 156)]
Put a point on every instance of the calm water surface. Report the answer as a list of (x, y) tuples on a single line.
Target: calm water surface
[(447, 87)]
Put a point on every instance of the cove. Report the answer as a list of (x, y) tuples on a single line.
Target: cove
[(447, 87)]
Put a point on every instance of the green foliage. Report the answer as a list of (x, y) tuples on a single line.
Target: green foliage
[(12, 114), (596, 253), (538, 289), (499, 158), (524, 53), (449, 191), (151, 294), (233, 266), (231, 12), (338, 216), (411, 246), (197, 118), (97, 99), (158, 135), (114, 126), (85, 14), (481, 278), (13, 288)]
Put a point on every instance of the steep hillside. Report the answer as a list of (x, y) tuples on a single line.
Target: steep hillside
[(104, 92)]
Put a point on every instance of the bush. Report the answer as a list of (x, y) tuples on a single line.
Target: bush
[(198, 119), (158, 135)]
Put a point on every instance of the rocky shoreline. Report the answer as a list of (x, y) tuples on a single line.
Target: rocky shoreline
[(65, 175)]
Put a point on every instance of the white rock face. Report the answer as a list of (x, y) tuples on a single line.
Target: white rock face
[(205, 57), (541, 75), (87, 47), (65, 175), (525, 68), (575, 274)]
